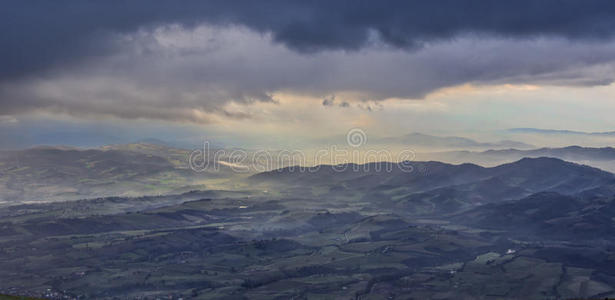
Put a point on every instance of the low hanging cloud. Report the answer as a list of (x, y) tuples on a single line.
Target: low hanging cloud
[(159, 60), (330, 102)]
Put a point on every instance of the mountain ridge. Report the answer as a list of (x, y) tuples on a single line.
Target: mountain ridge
[(558, 131), (425, 140)]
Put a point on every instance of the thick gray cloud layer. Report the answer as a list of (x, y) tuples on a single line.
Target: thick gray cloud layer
[(179, 75), (177, 61), (36, 35)]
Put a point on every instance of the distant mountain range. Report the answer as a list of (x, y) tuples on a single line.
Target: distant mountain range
[(430, 141), (566, 153), (559, 132), (603, 158), (65, 173)]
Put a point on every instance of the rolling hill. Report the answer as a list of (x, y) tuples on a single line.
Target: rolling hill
[(57, 173)]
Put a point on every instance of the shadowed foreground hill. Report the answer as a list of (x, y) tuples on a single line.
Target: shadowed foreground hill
[(536, 173), (548, 215), (434, 187)]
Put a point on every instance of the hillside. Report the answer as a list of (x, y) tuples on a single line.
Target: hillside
[(434, 187), (53, 173), (530, 229)]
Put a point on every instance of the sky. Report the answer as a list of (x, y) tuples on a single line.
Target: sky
[(291, 73)]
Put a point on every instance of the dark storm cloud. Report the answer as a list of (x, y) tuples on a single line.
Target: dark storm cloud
[(330, 101), (38, 35), (194, 60), (198, 75)]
